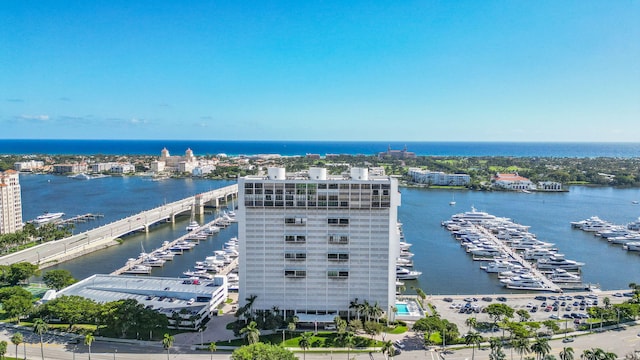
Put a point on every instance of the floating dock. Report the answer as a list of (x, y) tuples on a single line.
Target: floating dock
[(549, 285)]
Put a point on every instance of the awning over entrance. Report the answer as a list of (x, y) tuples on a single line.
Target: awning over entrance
[(312, 318)]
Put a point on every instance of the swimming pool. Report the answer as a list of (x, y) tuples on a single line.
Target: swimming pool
[(402, 309)]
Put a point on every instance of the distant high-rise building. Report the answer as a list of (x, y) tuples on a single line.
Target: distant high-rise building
[(10, 202), (311, 244)]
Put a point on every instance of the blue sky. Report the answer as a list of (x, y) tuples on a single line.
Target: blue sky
[(321, 70)]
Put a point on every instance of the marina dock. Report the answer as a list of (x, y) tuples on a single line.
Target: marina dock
[(79, 219), (220, 221), (549, 285)]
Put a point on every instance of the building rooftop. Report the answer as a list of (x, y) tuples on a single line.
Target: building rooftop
[(162, 294)]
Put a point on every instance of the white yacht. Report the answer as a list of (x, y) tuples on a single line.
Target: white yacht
[(473, 216), (624, 239), (582, 223), (524, 282), (47, 217), (153, 261), (404, 262), (539, 253), (212, 230), (499, 266), (634, 225), (632, 246), (484, 251), (615, 231), (193, 225), (529, 243), (202, 274), (163, 254), (406, 274), (138, 269), (563, 276), (559, 262)]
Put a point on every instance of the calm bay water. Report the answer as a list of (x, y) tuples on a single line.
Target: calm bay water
[(446, 268)]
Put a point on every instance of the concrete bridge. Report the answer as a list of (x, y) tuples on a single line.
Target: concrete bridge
[(54, 252)]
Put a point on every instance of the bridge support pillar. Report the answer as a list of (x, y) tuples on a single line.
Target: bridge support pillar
[(146, 228), (198, 205), (173, 218)]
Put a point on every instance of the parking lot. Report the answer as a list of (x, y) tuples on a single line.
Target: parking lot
[(571, 307)]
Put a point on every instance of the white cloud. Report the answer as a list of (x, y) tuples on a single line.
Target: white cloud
[(34, 117), (137, 121)]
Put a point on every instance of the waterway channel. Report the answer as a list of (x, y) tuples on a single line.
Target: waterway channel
[(446, 268)]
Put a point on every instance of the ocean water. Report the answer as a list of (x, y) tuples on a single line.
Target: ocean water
[(446, 268), (290, 148)]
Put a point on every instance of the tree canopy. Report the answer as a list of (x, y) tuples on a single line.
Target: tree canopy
[(261, 351), (58, 279)]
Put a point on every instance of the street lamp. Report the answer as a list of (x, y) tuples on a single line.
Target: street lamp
[(201, 336), (115, 351)]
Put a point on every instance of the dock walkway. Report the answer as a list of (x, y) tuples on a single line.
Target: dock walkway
[(551, 286), (189, 235)]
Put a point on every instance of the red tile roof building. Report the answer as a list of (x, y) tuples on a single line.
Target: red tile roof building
[(512, 182)]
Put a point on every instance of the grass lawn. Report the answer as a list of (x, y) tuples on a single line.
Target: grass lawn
[(319, 340)]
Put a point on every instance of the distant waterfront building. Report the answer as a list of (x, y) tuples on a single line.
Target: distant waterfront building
[(512, 182), (169, 163), (193, 299), (377, 171), (549, 186), (397, 154), (421, 176), (123, 168), (203, 170), (312, 243), (70, 168), (112, 167), (10, 202), (31, 165)]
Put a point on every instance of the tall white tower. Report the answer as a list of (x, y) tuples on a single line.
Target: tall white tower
[(311, 243), (10, 202)]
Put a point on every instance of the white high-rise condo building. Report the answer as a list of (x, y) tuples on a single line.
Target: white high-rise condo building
[(312, 243), (10, 202)]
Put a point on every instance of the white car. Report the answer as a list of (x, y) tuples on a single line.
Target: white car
[(399, 344)]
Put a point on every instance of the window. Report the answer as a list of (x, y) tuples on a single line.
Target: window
[(295, 256), (337, 274), (295, 221), (338, 239), (295, 273), (337, 257), (338, 221), (295, 238)]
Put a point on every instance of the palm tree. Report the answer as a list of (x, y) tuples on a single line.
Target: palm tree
[(541, 347), (521, 345), (376, 311), (291, 327), (252, 331), (471, 322), (88, 339), (167, 343), (250, 300), (473, 339), (387, 348), (212, 348), (304, 343), (40, 327), (3, 348), (355, 306), (365, 308), (17, 339), (566, 353), (348, 340)]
